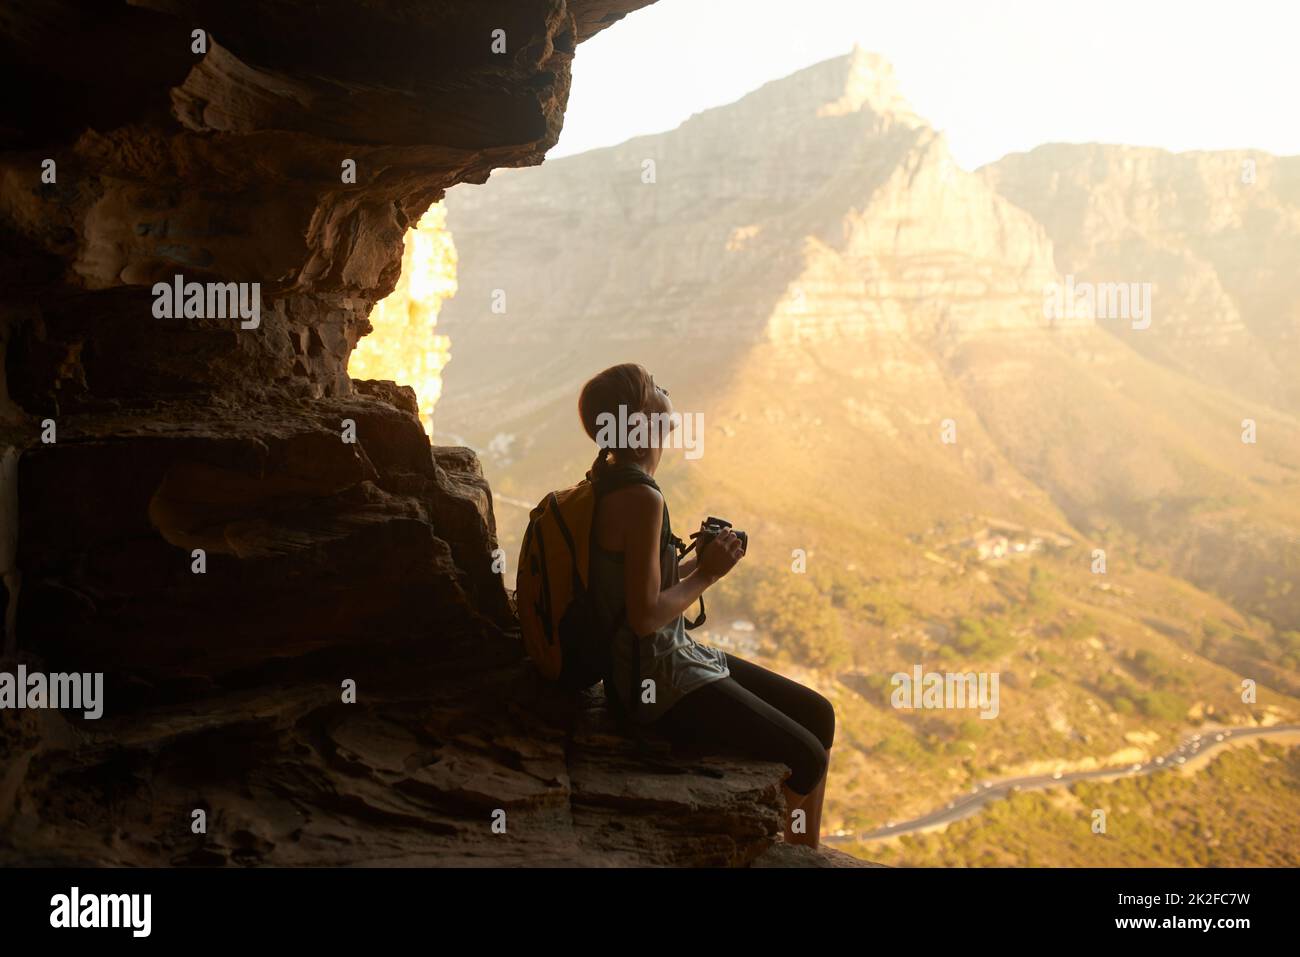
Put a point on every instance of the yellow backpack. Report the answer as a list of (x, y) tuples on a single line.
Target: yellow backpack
[(557, 618)]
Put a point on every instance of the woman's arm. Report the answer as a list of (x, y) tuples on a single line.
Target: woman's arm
[(648, 608)]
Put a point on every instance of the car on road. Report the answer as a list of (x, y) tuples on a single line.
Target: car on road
[(1056, 775)]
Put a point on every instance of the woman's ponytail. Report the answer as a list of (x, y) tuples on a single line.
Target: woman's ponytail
[(600, 466)]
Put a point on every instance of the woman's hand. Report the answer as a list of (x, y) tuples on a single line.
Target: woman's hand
[(720, 555)]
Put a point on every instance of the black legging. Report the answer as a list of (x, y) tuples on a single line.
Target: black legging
[(759, 713)]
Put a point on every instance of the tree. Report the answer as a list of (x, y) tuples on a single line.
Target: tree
[(800, 619)]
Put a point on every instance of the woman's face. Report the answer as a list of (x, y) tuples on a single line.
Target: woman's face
[(660, 404), (665, 404)]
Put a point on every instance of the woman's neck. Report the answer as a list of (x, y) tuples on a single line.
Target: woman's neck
[(647, 468)]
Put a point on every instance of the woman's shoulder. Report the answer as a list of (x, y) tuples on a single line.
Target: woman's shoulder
[(636, 502), (636, 492)]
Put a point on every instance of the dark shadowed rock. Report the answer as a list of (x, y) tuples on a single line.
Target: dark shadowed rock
[(790, 855)]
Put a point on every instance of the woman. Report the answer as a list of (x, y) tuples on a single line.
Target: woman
[(687, 691)]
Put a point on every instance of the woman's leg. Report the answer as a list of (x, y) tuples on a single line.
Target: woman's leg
[(730, 715), (810, 709), (798, 701)]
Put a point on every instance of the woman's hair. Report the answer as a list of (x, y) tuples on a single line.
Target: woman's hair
[(628, 385)]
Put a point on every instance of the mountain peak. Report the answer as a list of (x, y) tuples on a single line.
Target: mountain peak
[(859, 80)]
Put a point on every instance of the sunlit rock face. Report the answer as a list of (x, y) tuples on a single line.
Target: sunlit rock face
[(1215, 234), (402, 344), (817, 211), (228, 524), (818, 206)]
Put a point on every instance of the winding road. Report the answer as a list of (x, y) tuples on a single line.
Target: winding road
[(1193, 750)]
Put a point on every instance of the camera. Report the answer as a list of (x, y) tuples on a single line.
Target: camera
[(712, 527)]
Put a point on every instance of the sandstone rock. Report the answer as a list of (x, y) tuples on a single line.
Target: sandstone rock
[(790, 855), (288, 775)]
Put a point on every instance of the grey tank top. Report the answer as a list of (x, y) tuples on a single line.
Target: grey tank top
[(675, 662)]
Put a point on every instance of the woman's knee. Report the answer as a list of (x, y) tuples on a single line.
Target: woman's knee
[(808, 768), (822, 719)]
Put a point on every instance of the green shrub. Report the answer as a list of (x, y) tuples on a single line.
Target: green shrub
[(1079, 629), (800, 619), (1162, 704), (1039, 593), (902, 746), (983, 638)]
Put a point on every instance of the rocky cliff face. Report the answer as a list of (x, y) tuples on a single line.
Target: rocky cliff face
[(207, 509), (818, 209), (819, 205), (1215, 234)]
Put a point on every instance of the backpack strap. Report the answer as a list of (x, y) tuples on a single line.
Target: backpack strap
[(615, 477), (568, 540)]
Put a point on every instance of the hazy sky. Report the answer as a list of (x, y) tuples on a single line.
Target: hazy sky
[(996, 75)]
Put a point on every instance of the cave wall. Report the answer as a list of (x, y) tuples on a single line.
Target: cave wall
[(224, 162)]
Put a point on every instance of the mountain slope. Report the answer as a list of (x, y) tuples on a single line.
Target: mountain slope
[(810, 269)]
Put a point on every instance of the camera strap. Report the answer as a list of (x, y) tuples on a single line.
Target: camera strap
[(682, 551), (698, 621)]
